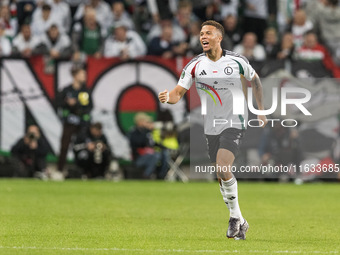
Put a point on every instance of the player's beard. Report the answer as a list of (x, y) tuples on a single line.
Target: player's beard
[(209, 51)]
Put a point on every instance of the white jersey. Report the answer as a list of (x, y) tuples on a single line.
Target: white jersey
[(215, 82)]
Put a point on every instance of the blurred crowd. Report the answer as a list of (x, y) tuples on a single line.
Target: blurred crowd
[(259, 29)]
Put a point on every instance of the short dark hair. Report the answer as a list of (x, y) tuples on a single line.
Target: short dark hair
[(97, 125), (46, 7), (309, 32), (214, 24), (53, 26), (76, 68), (25, 24)]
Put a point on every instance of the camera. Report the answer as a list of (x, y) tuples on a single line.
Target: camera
[(98, 156), (32, 136)]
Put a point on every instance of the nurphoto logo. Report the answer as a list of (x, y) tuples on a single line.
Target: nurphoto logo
[(239, 104)]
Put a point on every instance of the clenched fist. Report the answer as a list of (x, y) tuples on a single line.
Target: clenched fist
[(163, 96)]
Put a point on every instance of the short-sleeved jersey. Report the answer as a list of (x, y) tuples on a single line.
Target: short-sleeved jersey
[(215, 82)]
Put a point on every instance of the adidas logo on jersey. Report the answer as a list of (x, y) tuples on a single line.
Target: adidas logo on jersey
[(203, 73)]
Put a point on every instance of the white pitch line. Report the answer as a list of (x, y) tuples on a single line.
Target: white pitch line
[(165, 250)]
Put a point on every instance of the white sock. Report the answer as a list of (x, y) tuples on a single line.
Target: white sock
[(230, 190), (224, 195)]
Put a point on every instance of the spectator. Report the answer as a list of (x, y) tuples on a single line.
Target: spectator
[(11, 23), (300, 26), (327, 23), (312, 50), (211, 10), (56, 44), (232, 30), (178, 34), (311, 8), (75, 104), (227, 43), (164, 46), (144, 148), (24, 44), (229, 7), (194, 44), (119, 15), (102, 9), (286, 10), (87, 37), (73, 5), (30, 153), (92, 151), (204, 9), (287, 47), (185, 16), (124, 44), (141, 18), (255, 17), (62, 12), (43, 19), (5, 44), (162, 9), (250, 49), (271, 45), (25, 10)]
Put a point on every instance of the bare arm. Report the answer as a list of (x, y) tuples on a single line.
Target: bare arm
[(258, 93), (174, 95)]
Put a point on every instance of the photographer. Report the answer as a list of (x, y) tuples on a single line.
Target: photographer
[(29, 153), (92, 151), (146, 152), (75, 104)]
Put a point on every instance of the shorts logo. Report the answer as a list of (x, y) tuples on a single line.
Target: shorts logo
[(228, 70)]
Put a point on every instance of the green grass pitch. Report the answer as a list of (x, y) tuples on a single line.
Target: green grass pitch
[(131, 217)]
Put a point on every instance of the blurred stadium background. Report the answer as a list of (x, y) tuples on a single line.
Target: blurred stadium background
[(133, 49)]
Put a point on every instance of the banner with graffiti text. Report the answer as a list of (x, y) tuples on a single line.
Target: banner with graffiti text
[(119, 90)]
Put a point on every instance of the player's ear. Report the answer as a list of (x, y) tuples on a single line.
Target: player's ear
[(220, 38), (219, 34)]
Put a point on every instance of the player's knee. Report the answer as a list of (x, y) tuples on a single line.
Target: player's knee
[(223, 162)]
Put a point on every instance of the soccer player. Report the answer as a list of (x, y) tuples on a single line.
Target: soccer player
[(221, 71)]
